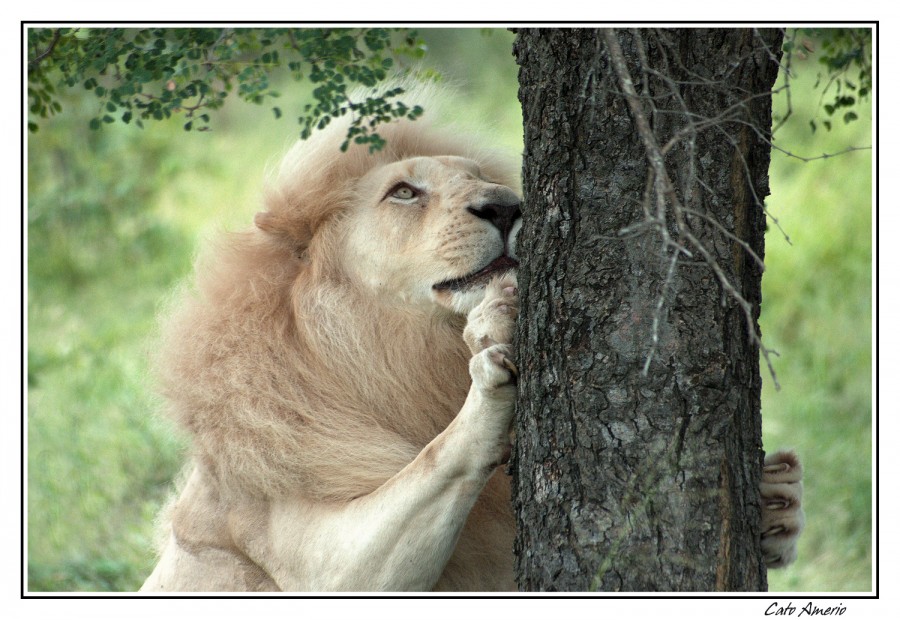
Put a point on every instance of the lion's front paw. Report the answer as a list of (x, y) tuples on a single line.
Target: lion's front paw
[(493, 368), (781, 490), (493, 320)]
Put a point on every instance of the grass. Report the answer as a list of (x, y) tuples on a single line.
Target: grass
[(98, 459), (113, 221)]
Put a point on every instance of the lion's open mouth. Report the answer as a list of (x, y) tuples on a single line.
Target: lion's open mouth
[(502, 263)]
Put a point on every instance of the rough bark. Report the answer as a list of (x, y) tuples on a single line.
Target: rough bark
[(625, 481)]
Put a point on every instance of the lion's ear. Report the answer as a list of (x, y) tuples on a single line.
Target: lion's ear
[(266, 222), (291, 232)]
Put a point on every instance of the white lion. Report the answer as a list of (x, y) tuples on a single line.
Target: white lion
[(346, 375)]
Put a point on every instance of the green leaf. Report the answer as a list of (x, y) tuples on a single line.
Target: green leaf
[(850, 116), (94, 124), (153, 60)]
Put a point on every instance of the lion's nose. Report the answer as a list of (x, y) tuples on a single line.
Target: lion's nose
[(501, 216)]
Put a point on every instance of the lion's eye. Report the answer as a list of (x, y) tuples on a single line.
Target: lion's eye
[(404, 192)]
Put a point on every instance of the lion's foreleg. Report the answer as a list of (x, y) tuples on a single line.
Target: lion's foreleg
[(400, 537)]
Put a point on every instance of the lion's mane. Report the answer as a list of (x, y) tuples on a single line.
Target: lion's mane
[(289, 378)]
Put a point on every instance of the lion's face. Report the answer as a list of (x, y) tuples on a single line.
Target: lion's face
[(431, 230)]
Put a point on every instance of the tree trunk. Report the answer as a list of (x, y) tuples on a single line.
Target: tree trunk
[(626, 480)]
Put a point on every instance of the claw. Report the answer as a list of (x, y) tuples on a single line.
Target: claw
[(510, 367), (776, 469), (774, 531), (778, 504), (783, 466)]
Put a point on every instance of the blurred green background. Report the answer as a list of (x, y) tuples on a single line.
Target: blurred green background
[(115, 216)]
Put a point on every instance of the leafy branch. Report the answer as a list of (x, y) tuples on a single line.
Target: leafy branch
[(149, 74), (845, 59)]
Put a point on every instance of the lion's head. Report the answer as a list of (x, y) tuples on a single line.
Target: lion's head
[(426, 222)]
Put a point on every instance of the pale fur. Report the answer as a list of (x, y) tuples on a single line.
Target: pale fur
[(347, 419), (297, 383), (296, 358)]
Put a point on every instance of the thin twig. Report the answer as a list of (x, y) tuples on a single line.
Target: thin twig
[(665, 192), (787, 83), (34, 62), (657, 313), (729, 234)]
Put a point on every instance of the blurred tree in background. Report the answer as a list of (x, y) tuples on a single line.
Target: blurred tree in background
[(114, 213)]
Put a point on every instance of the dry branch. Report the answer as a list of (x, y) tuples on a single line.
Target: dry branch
[(661, 192)]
